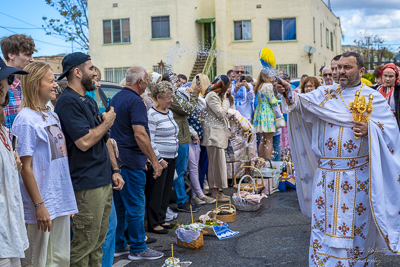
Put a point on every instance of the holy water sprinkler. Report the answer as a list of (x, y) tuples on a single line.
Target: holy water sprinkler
[(267, 59)]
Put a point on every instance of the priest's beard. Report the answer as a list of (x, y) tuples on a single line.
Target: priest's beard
[(352, 80), (87, 82)]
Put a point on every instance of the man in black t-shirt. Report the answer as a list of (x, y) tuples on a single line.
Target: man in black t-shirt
[(89, 159)]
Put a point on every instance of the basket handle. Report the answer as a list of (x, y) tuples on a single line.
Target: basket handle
[(250, 167), (204, 219), (270, 163), (231, 205), (240, 182)]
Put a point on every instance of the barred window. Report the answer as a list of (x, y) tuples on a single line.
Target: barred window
[(290, 69), (115, 74), (162, 70), (248, 70)]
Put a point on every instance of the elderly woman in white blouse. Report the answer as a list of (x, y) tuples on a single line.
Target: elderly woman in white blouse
[(164, 140)]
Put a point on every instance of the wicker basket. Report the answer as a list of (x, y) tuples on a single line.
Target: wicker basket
[(226, 217), (247, 186), (208, 229), (195, 244), (241, 203)]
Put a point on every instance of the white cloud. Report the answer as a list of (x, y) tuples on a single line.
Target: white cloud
[(376, 17)]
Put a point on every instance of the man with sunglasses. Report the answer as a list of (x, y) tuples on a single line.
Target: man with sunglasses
[(243, 93), (17, 50), (327, 75)]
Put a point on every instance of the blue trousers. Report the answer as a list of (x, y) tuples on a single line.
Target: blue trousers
[(181, 166), (130, 207), (277, 147), (203, 165), (109, 243)]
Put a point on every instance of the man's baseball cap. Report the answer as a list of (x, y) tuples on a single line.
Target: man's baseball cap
[(6, 71), (72, 60)]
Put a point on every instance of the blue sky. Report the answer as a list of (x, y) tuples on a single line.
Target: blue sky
[(376, 17), (28, 14)]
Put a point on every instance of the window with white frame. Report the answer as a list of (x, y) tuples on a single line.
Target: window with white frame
[(115, 74), (282, 29), (160, 27), (242, 30), (116, 31)]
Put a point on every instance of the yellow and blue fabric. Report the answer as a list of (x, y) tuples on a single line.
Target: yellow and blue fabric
[(267, 58)]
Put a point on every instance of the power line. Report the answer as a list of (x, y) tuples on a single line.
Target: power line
[(36, 40), (16, 28), (18, 19), (28, 24)]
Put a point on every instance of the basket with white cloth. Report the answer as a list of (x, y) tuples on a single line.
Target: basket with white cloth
[(244, 200)]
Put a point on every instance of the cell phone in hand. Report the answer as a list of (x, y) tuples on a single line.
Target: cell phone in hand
[(108, 105), (14, 142), (242, 78), (197, 79)]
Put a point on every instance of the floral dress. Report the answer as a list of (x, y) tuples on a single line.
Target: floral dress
[(264, 116)]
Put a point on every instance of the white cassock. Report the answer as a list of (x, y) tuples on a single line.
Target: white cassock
[(349, 188)]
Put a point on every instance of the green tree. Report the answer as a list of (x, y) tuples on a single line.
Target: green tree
[(75, 25)]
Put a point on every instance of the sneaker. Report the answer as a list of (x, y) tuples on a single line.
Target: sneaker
[(123, 251), (186, 208), (198, 201), (147, 254), (205, 185), (195, 205), (222, 198), (174, 215), (208, 200), (170, 215)]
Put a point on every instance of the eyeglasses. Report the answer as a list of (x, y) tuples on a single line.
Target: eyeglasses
[(285, 76), (239, 71), (327, 74), (10, 79)]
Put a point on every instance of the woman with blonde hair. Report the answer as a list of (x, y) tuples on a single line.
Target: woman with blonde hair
[(45, 180), (264, 116)]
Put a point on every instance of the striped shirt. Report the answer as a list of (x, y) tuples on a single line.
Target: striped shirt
[(163, 134)]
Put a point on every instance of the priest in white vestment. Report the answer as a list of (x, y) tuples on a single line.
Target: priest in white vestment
[(349, 187)]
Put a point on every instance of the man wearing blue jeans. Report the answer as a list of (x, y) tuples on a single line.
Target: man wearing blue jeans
[(131, 132)]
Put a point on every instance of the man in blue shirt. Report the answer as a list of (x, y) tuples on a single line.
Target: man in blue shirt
[(131, 132), (243, 93)]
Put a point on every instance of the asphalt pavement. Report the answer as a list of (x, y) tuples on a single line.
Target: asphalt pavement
[(275, 235)]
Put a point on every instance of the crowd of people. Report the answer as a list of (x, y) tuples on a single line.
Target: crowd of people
[(64, 163)]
